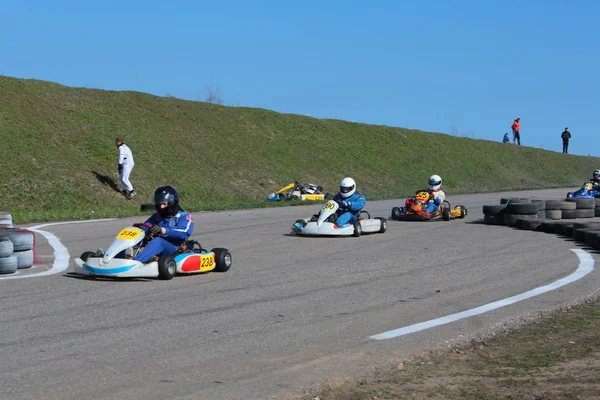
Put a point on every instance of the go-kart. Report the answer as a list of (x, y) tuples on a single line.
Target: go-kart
[(323, 223), (415, 209), (587, 191), (300, 192), (117, 261)]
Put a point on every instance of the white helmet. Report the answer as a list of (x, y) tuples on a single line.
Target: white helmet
[(596, 175), (435, 182), (347, 187)]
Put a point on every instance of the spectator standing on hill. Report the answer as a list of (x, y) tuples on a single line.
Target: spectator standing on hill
[(566, 135), (505, 139), (125, 166), (516, 128)]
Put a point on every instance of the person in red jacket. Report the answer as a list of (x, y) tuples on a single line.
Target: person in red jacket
[(516, 127)]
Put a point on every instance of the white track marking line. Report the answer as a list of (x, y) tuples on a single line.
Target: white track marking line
[(586, 265), (61, 254)]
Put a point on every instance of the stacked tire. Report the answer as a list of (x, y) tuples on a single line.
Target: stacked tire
[(553, 210), (518, 210), (16, 247), (5, 220), (584, 208), (568, 209), (597, 207)]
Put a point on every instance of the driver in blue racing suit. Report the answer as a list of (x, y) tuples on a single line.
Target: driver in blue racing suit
[(170, 225), (436, 193), (350, 203)]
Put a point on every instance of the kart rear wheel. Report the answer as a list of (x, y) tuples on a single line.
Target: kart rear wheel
[(446, 214), (87, 254), (463, 211), (357, 229), (167, 267), (223, 259), (383, 224)]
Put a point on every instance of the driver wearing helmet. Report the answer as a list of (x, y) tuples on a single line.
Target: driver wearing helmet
[(170, 225), (437, 194), (350, 203), (596, 177)]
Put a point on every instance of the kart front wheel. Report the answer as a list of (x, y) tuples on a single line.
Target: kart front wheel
[(383, 224), (396, 213), (446, 214), (357, 229), (223, 259), (167, 267), (87, 254)]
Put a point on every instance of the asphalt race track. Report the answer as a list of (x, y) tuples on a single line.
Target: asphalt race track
[(291, 314)]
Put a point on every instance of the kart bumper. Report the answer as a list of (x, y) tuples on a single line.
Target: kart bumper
[(116, 268)]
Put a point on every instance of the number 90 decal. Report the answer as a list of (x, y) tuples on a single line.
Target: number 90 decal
[(330, 205)]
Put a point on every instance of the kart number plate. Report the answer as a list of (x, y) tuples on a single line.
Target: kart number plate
[(129, 233), (207, 262), (330, 205), (313, 197)]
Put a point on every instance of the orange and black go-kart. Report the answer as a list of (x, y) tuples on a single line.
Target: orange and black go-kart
[(415, 209)]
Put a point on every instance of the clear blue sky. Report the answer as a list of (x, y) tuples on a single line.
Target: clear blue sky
[(452, 66)]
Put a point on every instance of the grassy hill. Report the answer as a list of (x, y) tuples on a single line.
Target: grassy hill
[(59, 160)]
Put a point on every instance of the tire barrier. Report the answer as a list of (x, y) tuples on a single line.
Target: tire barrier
[(16, 246), (570, 218)]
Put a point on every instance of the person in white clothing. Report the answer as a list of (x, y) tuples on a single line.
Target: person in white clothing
[(437, 194), (125, 166)]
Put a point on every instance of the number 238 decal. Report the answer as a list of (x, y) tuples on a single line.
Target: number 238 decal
[(207, 262)]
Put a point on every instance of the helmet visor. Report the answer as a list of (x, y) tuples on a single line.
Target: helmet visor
[(346, 189)]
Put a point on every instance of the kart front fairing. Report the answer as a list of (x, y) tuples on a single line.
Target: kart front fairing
[(129, 239)]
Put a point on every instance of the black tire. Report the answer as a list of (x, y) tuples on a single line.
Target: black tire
[(396, 214), (87, 254), (585, 212), (553, 214), (493, 219), (24, 259), (552, 205), (522, 208), (579, 234), (320, 189), (223, 259), (493, 209), (446, 214), (514, 200), (541, 214), (167, 267), (511, 219), (357, 229), (590, 237), (530, 224), (560, 226), (583, 203), (597, 212), (541, 204), (463, 211), (568, 205), (569, 214), (547, 226), (383, 227), (6, 246), (8, 265)]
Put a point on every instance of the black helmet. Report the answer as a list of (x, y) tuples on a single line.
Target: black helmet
[(166, 194)]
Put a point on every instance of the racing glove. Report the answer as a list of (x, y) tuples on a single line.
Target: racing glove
[(120, 168), (155, 230), (345, 204)]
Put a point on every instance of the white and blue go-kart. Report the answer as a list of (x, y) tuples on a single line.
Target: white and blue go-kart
[(117, 261), (323, 224)]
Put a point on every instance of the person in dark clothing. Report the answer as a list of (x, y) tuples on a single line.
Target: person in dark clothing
[(566, 135), (505, 139)]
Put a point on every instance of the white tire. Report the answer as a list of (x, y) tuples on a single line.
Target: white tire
[(6, 247), (8, 265), (24, 259)]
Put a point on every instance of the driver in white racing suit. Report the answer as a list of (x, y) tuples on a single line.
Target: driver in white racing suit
[(436, 193)]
